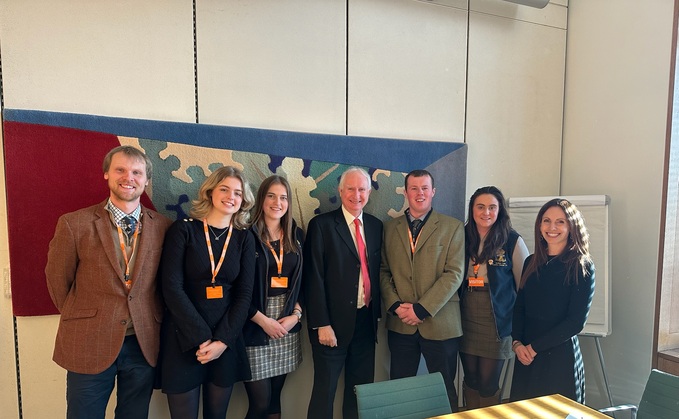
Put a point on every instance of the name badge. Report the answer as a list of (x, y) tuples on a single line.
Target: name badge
[(279, 282), (475, 281), (214, 292)]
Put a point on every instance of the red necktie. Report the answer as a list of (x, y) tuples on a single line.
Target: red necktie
[(364, 261)]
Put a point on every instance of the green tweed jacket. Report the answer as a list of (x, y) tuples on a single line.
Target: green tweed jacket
[(431, 276)]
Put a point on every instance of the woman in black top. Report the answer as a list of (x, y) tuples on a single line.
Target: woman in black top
[(272, 334), (207, 273), (557, 286)]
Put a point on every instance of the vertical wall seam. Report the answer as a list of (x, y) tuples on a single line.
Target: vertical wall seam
[(2, 93), (195, 62), (18, 371), (466, 79), (14, 319), (563, 101), (346, 72)]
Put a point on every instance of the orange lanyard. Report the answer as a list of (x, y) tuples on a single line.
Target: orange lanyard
[(413, 246), (279, 259), (128, 281), (209, 250), (476, 269)]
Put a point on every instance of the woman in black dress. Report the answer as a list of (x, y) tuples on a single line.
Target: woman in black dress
[(495, 254), (272, 335), (557, 286), (207, 274)]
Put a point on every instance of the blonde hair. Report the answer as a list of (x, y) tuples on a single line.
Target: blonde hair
[(203, 204)]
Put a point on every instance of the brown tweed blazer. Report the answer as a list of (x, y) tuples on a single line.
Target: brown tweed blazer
[(85, 281)]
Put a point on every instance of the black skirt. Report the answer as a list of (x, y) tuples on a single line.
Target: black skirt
[(181, 371)]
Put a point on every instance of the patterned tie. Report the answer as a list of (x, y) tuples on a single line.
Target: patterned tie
[(129, 224), (364, 261), (417, 223)]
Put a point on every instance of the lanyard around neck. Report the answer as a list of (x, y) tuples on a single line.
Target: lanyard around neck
[(413, 245), (279, 257), (209, 249), (128, 281)]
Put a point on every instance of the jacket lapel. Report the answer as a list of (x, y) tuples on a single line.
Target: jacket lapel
[(427, 231), (103, 226), (402, 232), (372, 240), (146, 237), (344, 233)]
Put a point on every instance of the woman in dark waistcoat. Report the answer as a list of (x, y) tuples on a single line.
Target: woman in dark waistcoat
[(495, 254), (207, 274), (272, 334), (557, 286)]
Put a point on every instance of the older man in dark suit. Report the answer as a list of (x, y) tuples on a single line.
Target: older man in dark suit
[(341, 277), (101, 275)]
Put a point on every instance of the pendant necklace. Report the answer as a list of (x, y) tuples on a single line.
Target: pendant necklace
[(220, 234)]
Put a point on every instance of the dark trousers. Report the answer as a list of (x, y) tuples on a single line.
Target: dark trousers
[(87, 394), (440, 356), (358, 360)]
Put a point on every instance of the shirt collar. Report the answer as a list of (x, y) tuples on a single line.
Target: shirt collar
[(422, 218), (119, 214), (349, 217)]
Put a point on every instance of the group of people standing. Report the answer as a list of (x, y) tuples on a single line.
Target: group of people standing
[(209, 300), (234, 280), (529, 306)]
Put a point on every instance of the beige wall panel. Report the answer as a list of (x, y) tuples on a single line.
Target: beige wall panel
[(272, 64), (459, 4), (554, 14), (43, 383), (9, 399), (614, 138), (123, 58), (514, 105), (407, 63)]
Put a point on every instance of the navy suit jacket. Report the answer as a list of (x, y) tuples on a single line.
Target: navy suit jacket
[(331, 270)]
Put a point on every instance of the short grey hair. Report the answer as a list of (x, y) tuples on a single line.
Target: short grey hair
[(353, 169)]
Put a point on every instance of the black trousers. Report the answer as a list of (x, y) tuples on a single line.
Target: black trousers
[(440, 356), (357, 357)]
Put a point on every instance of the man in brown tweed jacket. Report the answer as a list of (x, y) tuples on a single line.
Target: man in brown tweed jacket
[(101, 275)]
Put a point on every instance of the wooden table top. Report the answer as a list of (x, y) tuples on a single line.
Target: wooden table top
[(555, 406)]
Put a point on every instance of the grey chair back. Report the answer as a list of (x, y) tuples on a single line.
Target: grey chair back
[(416, 397), (661, 397)]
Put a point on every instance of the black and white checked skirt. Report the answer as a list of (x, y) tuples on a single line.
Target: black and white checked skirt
[(280, 356)]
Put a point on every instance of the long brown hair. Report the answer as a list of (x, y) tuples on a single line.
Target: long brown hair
[(498, 233), (575, 255), (289, 240)]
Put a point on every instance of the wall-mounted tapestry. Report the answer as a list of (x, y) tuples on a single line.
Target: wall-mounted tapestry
[(53, 164)]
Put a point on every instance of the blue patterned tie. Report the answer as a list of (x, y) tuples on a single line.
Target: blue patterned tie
[(129, 225)]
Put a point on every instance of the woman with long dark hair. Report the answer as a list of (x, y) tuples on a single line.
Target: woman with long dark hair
[(272, 335), (207, 273), (495, 254), (555, 295)]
